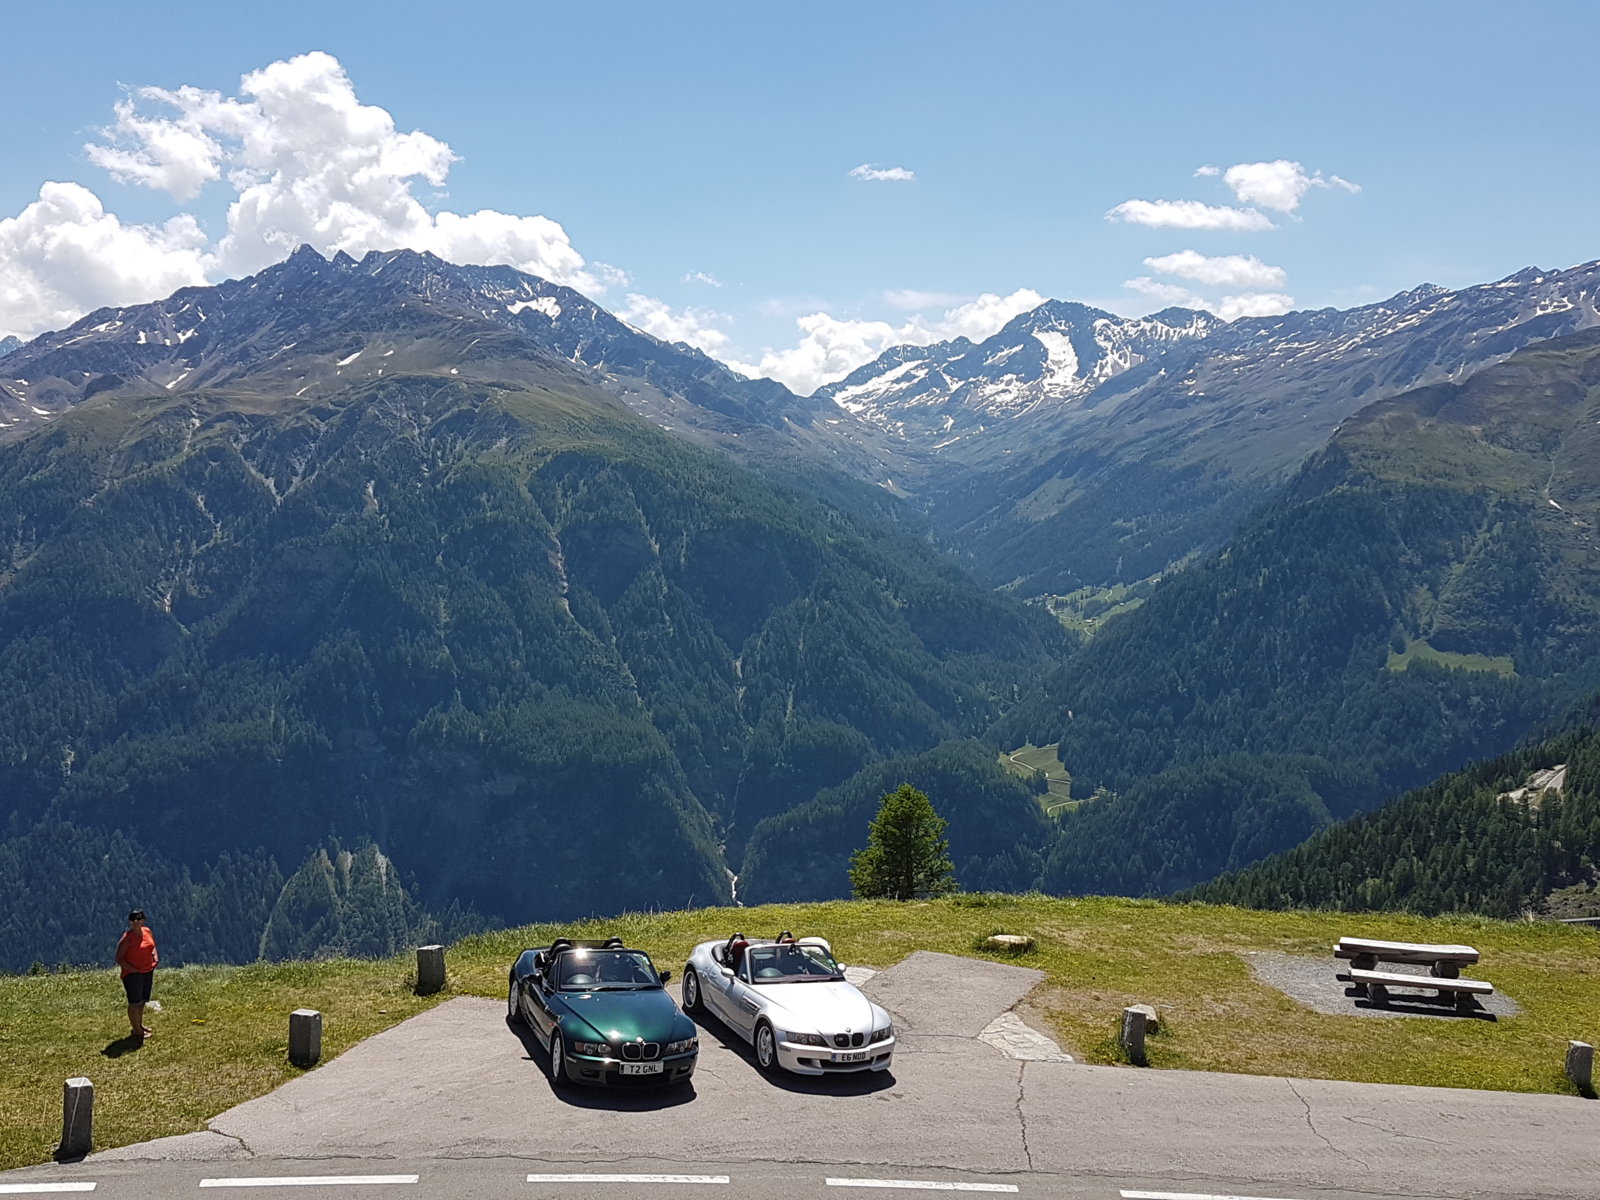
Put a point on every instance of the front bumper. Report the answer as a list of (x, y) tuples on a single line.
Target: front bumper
[(608, 1072), (831, 1060)]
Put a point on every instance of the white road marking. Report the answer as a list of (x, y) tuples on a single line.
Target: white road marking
[(628, 1179), (923, 1184), (307, 1180), (1127, 1195), (18, 1189)]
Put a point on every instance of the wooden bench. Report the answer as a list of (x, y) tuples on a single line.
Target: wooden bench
[(1443, 961), (1376, 984)]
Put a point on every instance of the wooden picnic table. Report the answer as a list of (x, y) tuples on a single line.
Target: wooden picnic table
[(1443, 961)]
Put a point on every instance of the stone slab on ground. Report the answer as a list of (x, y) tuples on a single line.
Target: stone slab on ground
[(1010, 1035), (1323, 985)]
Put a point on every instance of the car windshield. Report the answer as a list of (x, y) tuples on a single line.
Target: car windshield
[(791, 964), (584, 970)]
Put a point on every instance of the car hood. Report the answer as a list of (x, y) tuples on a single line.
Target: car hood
[(831, 1007), (624, 1016)]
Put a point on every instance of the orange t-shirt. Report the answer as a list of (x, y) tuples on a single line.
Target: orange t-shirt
[(138, 956)]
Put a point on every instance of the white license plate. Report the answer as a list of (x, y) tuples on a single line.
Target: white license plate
[(853, 1056), (639, 1068)]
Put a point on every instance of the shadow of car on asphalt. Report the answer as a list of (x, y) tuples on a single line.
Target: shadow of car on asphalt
[(579, 1095), (847, 1083)]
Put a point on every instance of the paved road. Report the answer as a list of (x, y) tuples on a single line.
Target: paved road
[(460, 1100)]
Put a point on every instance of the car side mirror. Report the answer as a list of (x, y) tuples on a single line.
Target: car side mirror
[(666, 975), (842, 968), (727, 972)]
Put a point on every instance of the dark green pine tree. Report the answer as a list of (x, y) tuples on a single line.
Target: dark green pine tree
[(906, 854)]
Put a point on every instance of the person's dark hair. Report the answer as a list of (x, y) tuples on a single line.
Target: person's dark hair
[(136, 915)]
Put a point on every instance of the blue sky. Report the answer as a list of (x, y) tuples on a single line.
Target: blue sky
[(692, 163)]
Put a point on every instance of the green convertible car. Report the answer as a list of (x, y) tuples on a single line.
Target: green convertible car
[(602, 1013)]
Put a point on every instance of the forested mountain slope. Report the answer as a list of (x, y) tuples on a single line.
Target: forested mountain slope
[(1505, 836), (1425, 592), (467, 608)]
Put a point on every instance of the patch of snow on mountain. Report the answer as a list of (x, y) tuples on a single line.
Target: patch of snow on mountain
[(548, 305), (345, 362), (857, 398), (1061, 369)]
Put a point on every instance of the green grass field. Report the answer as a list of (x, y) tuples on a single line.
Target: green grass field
[(1030, 761), (1420, 651), (222, 1034)]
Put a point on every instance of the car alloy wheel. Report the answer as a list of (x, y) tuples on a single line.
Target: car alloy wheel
[(691, 990), (766, 1047), (513, 1014), (558, 1060)]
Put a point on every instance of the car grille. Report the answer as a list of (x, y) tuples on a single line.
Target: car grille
[(845, 1040), (641, 1051)]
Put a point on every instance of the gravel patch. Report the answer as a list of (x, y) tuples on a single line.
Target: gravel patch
[(1323, 985)]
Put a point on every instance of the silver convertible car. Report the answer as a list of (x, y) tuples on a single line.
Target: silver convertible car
[(789, 999)]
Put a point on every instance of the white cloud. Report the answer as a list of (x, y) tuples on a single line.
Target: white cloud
[(1223, 270), (702, 277), (985, 316), (1279, 185), (912, 300), (697, 326), (1229, 308), (1208, 169), (64, 255), (1253, 304), (1188, 214), (306, 161), (872, 174), (830, 348)]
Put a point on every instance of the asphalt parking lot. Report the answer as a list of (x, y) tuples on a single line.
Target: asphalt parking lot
[(459, 1083)]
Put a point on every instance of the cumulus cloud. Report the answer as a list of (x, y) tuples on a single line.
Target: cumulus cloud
[(64, 255), (830, 347), (1229, 308), (1189, 214), (696, 326), (1279, 185), (872, 174), (306, 162), (1222, 270)]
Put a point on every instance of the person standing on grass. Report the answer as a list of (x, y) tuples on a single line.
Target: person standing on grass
[(136, 955)]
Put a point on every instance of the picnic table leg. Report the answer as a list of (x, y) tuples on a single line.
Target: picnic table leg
[(1377, 993), (1445, 970), (1465, 1002), (1365, 962)]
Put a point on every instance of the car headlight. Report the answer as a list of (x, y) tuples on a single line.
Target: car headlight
[(805, 1039), (884, 1034), (683, 1047), (596, 1049)]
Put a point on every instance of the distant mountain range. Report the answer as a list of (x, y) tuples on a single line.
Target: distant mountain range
[(1077, 447), (452, 567)]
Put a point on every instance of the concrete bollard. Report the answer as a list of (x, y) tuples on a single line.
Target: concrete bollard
[(77, 1119), (1580, 1066), (1133, 1026), (430, 969), (305, 1037)]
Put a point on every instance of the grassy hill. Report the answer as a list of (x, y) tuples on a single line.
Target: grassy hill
[(221, 1036)]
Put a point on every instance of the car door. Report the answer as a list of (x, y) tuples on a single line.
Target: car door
[(539, 1008), (741, 1003)]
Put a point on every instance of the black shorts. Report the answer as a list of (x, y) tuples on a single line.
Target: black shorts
[(137, 985)]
